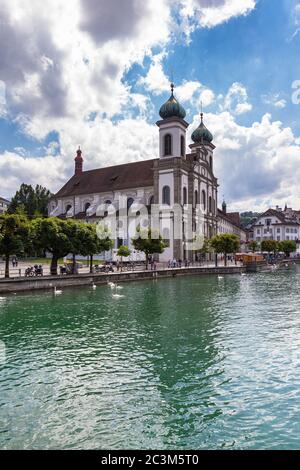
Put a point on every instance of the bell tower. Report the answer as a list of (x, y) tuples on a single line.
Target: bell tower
[(172, 129), (78, 163)]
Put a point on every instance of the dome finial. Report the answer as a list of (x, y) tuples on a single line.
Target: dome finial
[(202, 134), (172, 108)]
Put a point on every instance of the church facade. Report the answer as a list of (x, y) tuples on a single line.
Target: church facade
[(178, 185)]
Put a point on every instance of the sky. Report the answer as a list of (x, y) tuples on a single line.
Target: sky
[(95, 73)]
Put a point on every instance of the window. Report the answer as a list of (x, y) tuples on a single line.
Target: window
[(168, 145), (203, 200), (210, 161), (196, 197), (184, 195), (151, 200), (130, 201), (86, 207), (108, 202), (166, 195), (69, 207), (268, 222), (182, 146), (210, 204)]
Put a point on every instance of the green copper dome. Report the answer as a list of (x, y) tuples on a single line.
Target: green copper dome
[(172, 108), (202, 134)]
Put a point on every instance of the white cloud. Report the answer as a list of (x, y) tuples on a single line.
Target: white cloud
[(274, 100), (263, 160), (207, 97), (210, 13), (236, 100), (2, 99)]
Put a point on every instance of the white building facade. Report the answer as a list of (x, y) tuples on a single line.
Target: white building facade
[(4, 203), (276, 225), (175, 182)]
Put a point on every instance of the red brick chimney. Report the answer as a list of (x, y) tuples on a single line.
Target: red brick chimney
[(78, 163)]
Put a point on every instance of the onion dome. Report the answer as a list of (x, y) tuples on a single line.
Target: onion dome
[(202, 134), (172, 108)]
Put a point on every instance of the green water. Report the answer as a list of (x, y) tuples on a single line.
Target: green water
[(195, 362)]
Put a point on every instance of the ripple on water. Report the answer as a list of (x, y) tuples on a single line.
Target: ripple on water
[(184, 363)]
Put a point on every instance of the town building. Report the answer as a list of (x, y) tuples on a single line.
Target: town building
[(230, 222), (277, 224), (4, 203), (176, 178)]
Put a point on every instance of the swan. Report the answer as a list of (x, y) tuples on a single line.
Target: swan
[(111, 285), (117, 296), (57, 292), (220, 277), (94, 287)]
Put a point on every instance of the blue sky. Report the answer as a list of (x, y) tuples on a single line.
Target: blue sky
[(96, 74)]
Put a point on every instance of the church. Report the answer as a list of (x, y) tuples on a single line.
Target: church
[(181, 176)]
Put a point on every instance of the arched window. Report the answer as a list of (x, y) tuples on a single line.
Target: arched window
[(210, 204), (69, 207), (184, 195), (87, 206), (203, 200), (210, 161), (168, 144), (130, 201), (196, 197), (151, 201), (166, 199), (182, 146)]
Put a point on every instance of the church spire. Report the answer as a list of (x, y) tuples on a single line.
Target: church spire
[(78, 162)]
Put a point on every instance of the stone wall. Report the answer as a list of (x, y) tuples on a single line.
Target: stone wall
[(48, 283)]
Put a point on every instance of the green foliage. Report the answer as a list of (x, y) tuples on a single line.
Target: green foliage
[(61, 237), (149, 242), (14, 236), (225, 243), (124, 251), (55, 236), (253, 246), (269, 246), (30, 201), (248, 217), (287, 246)]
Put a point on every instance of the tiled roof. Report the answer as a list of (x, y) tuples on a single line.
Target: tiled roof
[(112, 178), (231, 217)]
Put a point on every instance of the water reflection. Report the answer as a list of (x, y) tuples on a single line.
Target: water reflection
[(193, 362)]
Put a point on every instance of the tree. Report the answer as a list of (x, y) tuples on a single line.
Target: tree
[(225, 243), (14, 236), (288, 247), (149, 242), (253, 246), (92, 239), (31, 201), (123, 252), (271, 246), (55, 236)]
